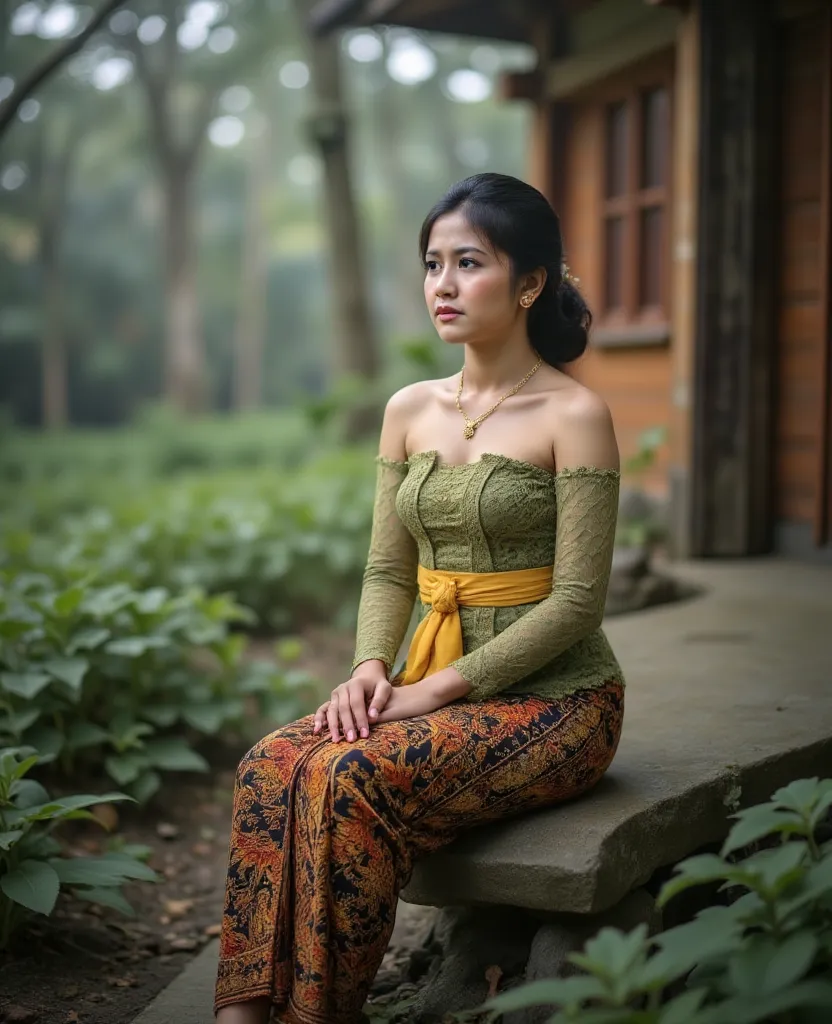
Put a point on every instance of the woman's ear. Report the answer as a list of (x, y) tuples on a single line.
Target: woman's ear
[(534, 282)]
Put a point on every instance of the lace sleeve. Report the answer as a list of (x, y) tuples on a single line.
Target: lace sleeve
[(587, 509), (389, 589)]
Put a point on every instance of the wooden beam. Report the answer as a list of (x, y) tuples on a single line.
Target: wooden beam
[(736, 295), (823, 471)]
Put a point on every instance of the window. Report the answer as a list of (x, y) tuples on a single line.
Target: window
[(635, 206)]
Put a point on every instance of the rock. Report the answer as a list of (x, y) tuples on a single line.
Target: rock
[(20, 1015), (556, 939), (166, 830), (473, 940), (629, 564)]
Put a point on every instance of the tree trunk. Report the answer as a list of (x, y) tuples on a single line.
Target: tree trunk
[(407, 275), (53, 344), (249, 341), (356, 350), (184, 344)]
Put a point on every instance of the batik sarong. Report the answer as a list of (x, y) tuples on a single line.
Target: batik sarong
[(325, 834)]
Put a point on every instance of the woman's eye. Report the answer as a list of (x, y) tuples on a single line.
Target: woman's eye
[(430, 265), (469, 261)]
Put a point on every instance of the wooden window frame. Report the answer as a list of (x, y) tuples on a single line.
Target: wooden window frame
[(628, 322)]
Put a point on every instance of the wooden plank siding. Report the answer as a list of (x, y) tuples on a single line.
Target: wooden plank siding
[(802, 474)]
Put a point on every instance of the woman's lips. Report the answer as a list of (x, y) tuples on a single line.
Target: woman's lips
[(446, 317)]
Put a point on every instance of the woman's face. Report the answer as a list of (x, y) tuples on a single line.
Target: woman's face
[(468, 287)]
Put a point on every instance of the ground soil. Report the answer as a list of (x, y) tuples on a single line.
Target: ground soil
[(88, 965)]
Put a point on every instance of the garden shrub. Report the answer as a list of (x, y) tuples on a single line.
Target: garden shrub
[(111, 676), (765, 956), (32, 868)]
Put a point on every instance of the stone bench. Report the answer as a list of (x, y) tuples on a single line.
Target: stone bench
[(729, 696)]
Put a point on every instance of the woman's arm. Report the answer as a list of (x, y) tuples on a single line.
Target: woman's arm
[(587, 486), (389, 588)]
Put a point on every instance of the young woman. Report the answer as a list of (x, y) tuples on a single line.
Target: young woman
[(496, 506)]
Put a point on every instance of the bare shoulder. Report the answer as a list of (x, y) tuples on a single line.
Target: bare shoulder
[(584, 434), (402, 407)]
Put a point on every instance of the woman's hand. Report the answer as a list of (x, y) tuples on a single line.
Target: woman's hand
[(348, 710)]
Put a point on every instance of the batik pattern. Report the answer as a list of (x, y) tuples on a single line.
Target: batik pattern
[(325, 835)]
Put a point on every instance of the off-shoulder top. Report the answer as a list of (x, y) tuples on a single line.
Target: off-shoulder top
[(493, 515)]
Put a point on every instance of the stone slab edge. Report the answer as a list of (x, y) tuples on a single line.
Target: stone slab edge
[(653, 837), (189, 998)]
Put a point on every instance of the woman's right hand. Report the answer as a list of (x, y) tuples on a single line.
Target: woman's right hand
[(355, 704)]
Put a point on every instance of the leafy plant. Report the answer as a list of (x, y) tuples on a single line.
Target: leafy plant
[(110, 676), (32, 869), (639, 523), (765, 956)]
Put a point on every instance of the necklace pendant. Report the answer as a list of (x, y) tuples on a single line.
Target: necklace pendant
[(468, 433)]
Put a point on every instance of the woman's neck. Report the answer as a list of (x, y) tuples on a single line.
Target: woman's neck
[(498, 369)]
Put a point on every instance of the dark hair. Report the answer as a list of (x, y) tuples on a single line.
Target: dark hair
[(517, 219)]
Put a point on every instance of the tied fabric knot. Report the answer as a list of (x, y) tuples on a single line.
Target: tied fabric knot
[(437, 641), (443, 597)]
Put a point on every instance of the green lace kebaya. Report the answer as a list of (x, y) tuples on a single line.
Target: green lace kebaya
[(495, 515)]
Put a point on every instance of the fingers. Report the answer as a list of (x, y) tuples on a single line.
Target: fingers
[(358, 706), (332, 720), (380, 697), (345, 713), (320, 718)]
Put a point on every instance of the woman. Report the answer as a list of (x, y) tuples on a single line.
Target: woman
[(496, 506)]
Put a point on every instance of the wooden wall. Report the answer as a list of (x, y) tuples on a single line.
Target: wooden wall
[(634, 378), (802, 473)]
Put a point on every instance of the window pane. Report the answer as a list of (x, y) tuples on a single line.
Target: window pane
[(618, 131), (614, 274), (652, 256), (656, 142)]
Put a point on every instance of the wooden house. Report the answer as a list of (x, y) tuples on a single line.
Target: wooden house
[(688, 150)]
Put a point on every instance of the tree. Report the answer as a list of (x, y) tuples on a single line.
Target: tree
[(181, 91), (356, 346), (50, 65)]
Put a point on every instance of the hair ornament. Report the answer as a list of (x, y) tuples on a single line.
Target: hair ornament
[(568, 276)]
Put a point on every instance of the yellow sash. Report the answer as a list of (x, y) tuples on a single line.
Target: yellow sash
[(438, 639)]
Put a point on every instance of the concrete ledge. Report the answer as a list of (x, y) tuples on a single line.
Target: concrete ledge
[(189, 999), (731, 689)]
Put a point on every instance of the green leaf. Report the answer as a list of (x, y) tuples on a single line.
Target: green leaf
[(18, 722), (682, 1010), (67, 602), (549, 991), (163, 715), (174, 755), (85, 734), (24, 684), (790, 961), (33, 885), (146, 786), (751, 1009), (758, 821), (47, 740), (106, 897), (87, 640), (28, 793), (136, 646), (22, 768), (773, 870), (207, 718), (700, 870), (125, 768), (107, 870), (800, 796), (69, 670), (8, 839), (714, 933)]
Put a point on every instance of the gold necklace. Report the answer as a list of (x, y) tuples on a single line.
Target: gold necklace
[(471, 425)]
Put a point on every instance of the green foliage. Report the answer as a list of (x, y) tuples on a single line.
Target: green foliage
[(110, 676), (765, 956), (639, 523), (32, 868)]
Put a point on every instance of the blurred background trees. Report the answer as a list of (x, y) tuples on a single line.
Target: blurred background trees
[(204, 207)]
